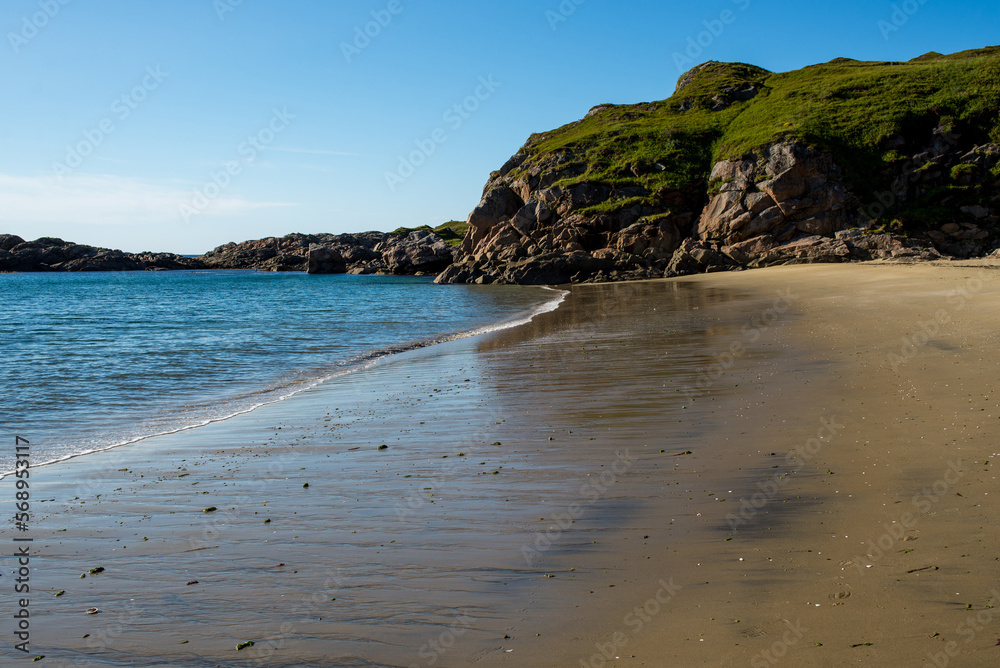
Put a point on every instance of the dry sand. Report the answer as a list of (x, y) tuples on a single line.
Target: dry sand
[(724, 470)]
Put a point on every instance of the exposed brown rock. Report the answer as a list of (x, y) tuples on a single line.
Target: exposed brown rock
[(419, 252), (785, 190)]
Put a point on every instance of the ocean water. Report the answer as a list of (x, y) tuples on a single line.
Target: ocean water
[(97, 360)]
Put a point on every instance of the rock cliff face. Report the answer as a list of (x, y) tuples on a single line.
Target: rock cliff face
[(743, 169), (526, 230)]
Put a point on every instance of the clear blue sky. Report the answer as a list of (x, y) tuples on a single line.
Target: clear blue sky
[(160, 95)]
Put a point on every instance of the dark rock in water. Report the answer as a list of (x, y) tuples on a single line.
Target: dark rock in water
[(325, 260), (168, 261)]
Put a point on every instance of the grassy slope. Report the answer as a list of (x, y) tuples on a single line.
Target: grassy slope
[(849, 108)]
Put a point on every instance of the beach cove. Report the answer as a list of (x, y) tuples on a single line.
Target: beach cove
[(789, 466)]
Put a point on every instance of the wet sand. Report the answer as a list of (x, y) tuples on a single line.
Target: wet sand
[(576, 491)]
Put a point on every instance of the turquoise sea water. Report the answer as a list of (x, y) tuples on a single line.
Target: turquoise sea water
[(96, 360)]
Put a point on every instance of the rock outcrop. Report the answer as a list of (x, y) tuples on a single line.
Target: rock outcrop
[(527, 231), (788, 190), (288, 253), (51, 254), (418, 252), (654, 189)]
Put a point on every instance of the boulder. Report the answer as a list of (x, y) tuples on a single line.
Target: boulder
[(696, 257), (419, 252), (325, 260), (804, 250), (867, 245), (499, 204)]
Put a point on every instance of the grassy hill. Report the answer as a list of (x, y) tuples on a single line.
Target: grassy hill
[(871, 116)]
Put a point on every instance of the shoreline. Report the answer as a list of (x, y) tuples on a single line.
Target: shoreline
[(598, 419), (355, 364), (147, 486)]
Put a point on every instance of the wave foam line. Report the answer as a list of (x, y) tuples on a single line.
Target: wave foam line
[(353, 365)]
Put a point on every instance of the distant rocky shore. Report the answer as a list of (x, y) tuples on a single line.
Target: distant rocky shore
[(417, 252), (50, 254)]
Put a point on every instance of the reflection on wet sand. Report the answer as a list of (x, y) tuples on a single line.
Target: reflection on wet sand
[(527, 475)]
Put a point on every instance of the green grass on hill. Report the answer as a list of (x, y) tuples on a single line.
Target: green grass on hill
[(847, 107)]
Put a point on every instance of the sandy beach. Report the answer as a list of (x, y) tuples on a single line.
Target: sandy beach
[(790, 466)]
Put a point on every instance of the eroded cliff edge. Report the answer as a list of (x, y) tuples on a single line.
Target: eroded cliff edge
[(744, 168)]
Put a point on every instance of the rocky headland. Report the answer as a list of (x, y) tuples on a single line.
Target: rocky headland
[(745, 168), (418, 252)]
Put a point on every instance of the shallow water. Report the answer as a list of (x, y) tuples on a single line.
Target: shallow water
[(95, 360)]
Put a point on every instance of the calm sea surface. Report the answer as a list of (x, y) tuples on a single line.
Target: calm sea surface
[(95, 360)]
